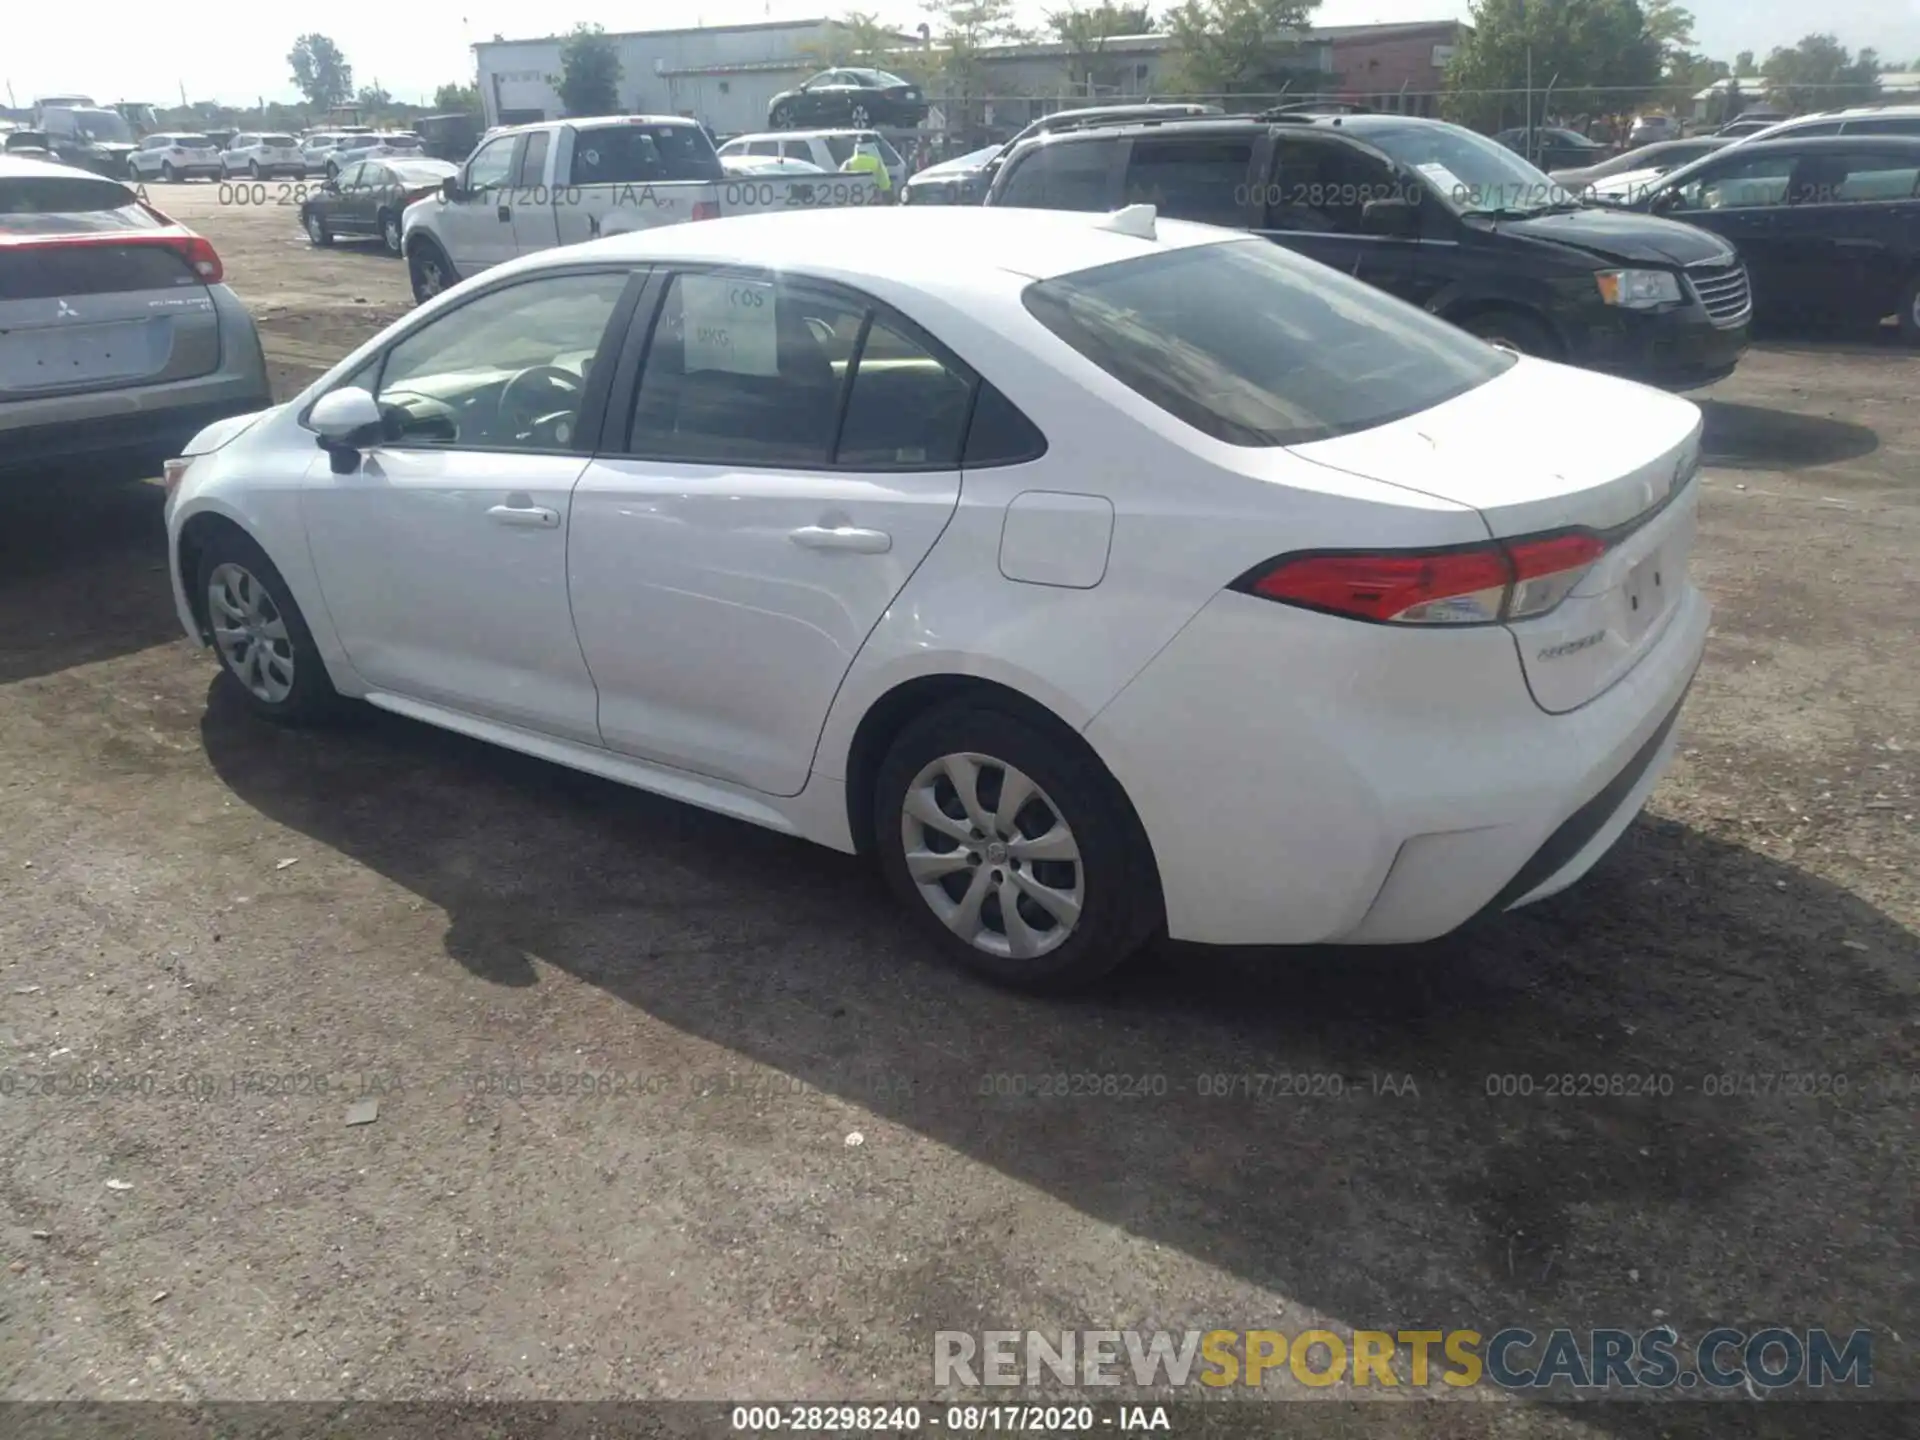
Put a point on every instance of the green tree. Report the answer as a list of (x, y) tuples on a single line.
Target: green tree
[(1820, 74), (457, 99), (856, 38), (320, 71), (373, 100), (1085, 31), (962, 31), (1588, 56), (590, 70), (1743, 65), (1239, 47)]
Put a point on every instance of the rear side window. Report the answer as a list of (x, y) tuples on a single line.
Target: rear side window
[(1191, 179), (999, 434), (69, 205), (1884, 125), (1254, 346), (840, 147), (533, 160), (1069, 176), (643, 155)]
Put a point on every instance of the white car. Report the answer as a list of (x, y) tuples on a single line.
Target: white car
[(767, 165), (175, 156), (828, 149), (263, 156), (1099, 575)]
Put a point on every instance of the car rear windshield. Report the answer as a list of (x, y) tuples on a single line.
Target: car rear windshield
[(69, 205), (276, 142), (643, 155), (1254, 346), (420, 172), (193, 142)]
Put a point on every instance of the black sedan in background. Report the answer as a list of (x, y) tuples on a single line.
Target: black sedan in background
[(863, 99), (369, 198), (1829, 225), (1552, 148)]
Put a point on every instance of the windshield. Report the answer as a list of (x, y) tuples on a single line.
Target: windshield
[(101, 125), (1474, 175), (1252, 345)]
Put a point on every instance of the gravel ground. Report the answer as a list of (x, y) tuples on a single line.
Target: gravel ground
[(249, 931)]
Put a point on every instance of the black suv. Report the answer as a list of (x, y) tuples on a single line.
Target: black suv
[(1433, 213)]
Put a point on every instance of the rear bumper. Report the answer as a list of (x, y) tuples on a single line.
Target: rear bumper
[(1302, 779), (1677, 350)]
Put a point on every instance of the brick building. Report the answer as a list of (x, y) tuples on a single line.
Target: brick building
[(1393, 67)]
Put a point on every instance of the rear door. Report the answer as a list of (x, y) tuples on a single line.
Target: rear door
[(1198, 176), (81, 312), (1083, 173), (1743, 198), (532, 202), (1849, 231)]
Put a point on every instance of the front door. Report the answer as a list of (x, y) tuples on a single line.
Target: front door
[(734, 545), (478, 227), (442, 556), (1316, 193)]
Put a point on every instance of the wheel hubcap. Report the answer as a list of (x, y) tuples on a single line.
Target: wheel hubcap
[(250, 632), (992, 856), (429, 278)]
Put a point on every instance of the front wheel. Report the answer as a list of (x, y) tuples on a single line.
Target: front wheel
[(317, 230), (429, 270), (861, 118), (253, 169), (168, 173), (262, 639), (133, 172), (1016, 854), (1514, 331)]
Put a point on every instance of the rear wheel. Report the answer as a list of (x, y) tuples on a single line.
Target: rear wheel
[(262, 639), (390, 231), (429, 269), (861, 117), (133, 172), (1513, 330), (780, 118), (317, 230), (253, 169), (1016, 855)]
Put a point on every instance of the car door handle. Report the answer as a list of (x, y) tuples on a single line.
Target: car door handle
[(505, 212), (842, 537), (532, 517)]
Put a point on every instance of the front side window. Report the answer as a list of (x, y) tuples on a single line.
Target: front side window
[(1190, 178), (1069, 176), (506, 370), (1254, 346), (754, 370), (1325, 186), (492, 164)]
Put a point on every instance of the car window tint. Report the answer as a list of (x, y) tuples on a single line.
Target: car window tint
[(998, 433), (64, 204), (1252, 345), (840, 147), (1884, 125), (1065, 176), (533, 160), (1852, 178), (744, 369), (1740, 183), (1324, 186), (907, 409), (448, 383), (1190, 179), (795, 150), (633, 154), (492, 164)]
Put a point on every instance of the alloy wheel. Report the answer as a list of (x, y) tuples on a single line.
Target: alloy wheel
[(316, 229), (432, 279), (992, 855), (250, 632), (390, 232), (861, 117)]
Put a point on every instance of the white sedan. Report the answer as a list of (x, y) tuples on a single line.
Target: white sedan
[(1101, 577)]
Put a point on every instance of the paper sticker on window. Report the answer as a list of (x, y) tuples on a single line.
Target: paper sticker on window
[(1444, 180), (729, 324)]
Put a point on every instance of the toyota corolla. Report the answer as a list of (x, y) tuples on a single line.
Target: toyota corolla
[(1100, 576)]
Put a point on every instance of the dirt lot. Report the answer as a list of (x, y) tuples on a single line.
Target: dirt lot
[(226, 919)]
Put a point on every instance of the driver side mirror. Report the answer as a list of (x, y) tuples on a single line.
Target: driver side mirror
[(1392, 216), (347, 420), (451, 189), (1666, 202)]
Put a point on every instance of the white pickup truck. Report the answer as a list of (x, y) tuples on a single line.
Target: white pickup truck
[(531, 187)]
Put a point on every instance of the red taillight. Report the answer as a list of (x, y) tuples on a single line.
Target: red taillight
[(201, 255), (706, 210), (1465, 585)]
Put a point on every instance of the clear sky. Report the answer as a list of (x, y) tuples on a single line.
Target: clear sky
[(113, 50)]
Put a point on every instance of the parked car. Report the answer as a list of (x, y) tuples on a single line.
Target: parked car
[(1551, 148), (965, 179), (1648, 162), (532, 187), (33, 144), (369, 197), (768, 165), (857, 97), (118, 341), (1829, 226), (1433, 213), (1749, 124), (88, 137), (826, 149), (1646, 129), (449, 137), (1858, 120), (317, 148), (373, 147), (1271, 644), (175, 156), (259, 156)]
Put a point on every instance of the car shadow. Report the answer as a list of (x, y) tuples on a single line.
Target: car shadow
[(1754, 437), (83, 574), (1518, 1124)]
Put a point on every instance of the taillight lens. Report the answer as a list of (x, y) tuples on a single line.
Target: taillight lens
[(1462, 585), (172, 472), (201, 255), (706, 210)]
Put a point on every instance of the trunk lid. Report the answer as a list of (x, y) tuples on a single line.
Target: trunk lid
[(1544, 448)]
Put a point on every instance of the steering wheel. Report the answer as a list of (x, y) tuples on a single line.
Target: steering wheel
[(540, 397)]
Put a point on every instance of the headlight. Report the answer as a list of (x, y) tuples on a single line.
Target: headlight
[(1638, 289)]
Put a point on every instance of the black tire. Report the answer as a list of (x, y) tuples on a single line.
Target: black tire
[(1515, 331), (389, 231), (316, 227), (133, 172), (778, 117), (1114, 875), (425, 259), (253, 169), (168, 173), (1910, 310), (311, 699)]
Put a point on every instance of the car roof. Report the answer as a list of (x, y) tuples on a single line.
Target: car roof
[(949, 251), (1826, 142), (17, 166)]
